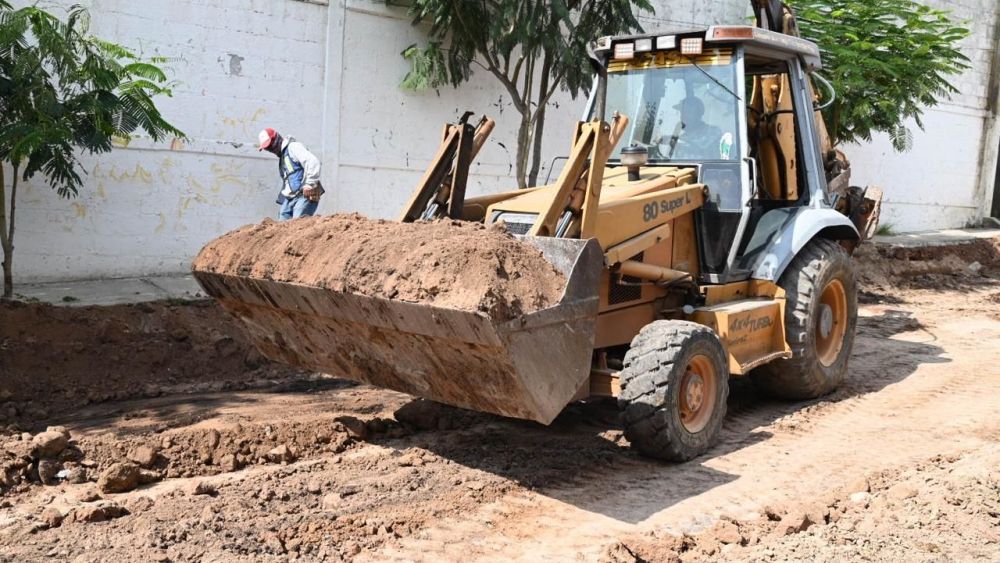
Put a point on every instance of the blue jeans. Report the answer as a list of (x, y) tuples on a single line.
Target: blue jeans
[(298, 207)]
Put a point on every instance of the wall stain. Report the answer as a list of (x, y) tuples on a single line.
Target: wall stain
[(81, 209), (235, 64)]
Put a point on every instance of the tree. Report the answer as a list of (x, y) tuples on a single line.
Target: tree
[(888, 60), (62, 91), (532, 47)]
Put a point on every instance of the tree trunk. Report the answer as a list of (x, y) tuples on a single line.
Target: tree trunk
[(523, 147), (8, 271), (536, 149), (7, 233)]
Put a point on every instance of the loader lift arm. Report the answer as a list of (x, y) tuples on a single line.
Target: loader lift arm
[(578, 190)]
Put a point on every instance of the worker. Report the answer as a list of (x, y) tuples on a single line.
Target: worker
[(693, 138), (299, 170)]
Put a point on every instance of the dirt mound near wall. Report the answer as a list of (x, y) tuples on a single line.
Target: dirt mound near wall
[(54, 358), (445, 263), (885, 268)]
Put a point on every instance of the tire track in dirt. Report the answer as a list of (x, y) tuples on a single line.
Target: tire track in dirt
[(942, 402)]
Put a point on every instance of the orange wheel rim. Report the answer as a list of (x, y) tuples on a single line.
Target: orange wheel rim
[(699, 387), (831, 322)]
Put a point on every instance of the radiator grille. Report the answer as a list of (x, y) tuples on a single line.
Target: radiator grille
[(517, 223), (622, 292), (518, 228)]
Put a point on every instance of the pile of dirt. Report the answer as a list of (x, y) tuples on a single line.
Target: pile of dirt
[(947, 509), (55, 358), (883, 269), (450, 264)]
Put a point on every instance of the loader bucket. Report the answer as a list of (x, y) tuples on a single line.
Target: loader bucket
[(528, 368)]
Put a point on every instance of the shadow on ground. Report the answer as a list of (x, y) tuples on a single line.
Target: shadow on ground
[(582, 458)]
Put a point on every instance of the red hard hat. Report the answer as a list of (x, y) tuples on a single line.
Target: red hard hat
[(265, 138)]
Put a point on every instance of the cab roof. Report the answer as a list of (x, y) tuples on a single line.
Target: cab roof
[(756, 41)]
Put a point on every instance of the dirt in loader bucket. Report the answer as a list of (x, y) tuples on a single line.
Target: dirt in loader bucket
[(451, 264), (450, 311)]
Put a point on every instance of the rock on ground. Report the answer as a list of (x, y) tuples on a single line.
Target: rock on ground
[(119, 478)]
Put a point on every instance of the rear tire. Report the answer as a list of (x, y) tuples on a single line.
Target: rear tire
[(821, 315), (674, 387)]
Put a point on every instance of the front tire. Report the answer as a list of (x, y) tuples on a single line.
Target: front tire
[(821, 316), (674, 387)]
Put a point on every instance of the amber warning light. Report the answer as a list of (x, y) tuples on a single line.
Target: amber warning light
[(733, 32)]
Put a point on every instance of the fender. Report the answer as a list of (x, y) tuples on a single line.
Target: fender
[(781, 233)]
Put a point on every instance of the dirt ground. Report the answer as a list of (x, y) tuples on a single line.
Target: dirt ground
[(225, 457)]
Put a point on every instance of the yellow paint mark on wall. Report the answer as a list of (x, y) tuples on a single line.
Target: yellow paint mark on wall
[(81, 209), (101, 191), (244, 125), (139, 174), (194, 183), (163, 223), (166, 168), (228, 174)]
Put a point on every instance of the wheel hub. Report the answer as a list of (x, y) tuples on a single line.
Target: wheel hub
[(697, 393), (825, 321), (831, 322), (694, 392)]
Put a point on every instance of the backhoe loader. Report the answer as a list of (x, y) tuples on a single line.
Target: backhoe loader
[(704, 225)]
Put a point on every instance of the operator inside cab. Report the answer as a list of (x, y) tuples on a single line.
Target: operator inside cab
[(692, 137)]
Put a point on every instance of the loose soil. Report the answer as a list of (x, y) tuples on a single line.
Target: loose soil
[(450, 264), (58, 358), (899, 464)]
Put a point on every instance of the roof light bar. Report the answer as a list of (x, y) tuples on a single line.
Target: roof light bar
[(644, 45)]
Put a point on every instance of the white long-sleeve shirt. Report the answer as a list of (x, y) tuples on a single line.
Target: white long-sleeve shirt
[(310, 164)]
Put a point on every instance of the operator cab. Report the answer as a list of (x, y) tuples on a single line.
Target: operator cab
[(726, 101)]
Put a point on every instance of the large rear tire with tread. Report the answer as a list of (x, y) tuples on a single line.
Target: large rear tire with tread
[(674, 386), (821, 315)]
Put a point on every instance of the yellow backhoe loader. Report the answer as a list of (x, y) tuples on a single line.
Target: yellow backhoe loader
[(707, 235)]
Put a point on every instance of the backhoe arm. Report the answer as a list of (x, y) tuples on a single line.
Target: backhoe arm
[(441, 190)]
